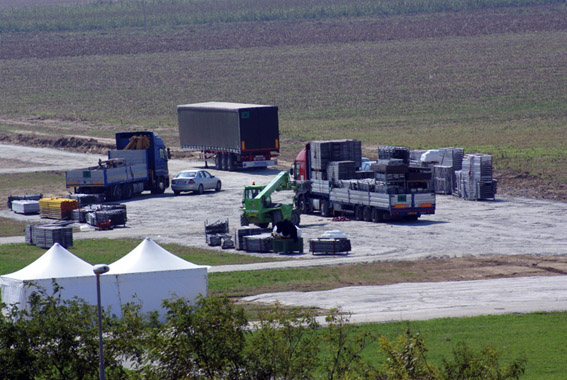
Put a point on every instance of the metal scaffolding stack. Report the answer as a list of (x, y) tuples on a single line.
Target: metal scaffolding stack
[(338, 170), (46, 235), (474, 181)]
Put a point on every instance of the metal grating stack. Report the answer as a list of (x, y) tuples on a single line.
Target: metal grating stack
[(57, 208), (46, 235), (329, 245), (386, 152), (25, 207), (443, 181), (258, 243), (87, 199), (242, 232), (474, 181), (339, 170)]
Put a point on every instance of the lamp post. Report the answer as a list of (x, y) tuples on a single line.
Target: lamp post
[(98, 270)]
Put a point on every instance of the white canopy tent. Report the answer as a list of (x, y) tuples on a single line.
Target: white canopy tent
[(73, 274), (148, 275)]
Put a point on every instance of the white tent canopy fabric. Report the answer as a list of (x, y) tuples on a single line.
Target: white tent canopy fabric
[(147, 275), (73, 274)]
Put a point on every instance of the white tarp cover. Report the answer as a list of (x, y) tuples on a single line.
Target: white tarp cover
[(73, 274), (148, 275)]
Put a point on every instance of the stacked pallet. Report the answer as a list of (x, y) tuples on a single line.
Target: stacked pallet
[(474, 181), (258, 243), (26, 197), (243, 232), (25, 207), (46, 235), (87, 199), (386, 152), (216, 234), (443, 179), (329, 245), (323, 152), (57, 208), (339, 170)]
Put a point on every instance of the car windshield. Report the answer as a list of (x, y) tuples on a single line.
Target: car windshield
[(186, 175)]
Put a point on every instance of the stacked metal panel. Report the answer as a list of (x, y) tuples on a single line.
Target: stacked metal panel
[(26, 197), (25, 207), (474, 181), (45, 236), (443, 179), (386, 152), (324, 152), (57, 208), (116, 216), (339, 170), (242, 232), (329, 245), (258, 243), (87, 199), (216, 234)]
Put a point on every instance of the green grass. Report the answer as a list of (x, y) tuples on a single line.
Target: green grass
[(539, 337)]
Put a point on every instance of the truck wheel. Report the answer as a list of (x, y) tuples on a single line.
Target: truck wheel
[(117, 193), (295, 218), (243, 220), (230, 162), (358, 213), (326, 210), (159, 187), (218, 162), (367, 214), (377, 216), (128, 191), (304, 204), (224, 163)]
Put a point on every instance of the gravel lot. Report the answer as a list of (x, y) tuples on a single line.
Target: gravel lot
[(506, 226)]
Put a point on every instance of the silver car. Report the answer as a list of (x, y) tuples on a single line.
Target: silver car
[(195, 180)]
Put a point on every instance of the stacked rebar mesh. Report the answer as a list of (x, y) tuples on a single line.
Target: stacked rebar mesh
[(46, 235), (474, 181)]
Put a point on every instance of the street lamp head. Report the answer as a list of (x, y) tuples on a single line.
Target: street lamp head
[(99, 269)]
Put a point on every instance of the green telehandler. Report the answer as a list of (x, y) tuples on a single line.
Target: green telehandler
[(258, 208)]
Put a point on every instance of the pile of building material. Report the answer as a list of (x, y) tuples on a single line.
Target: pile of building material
[(242, 232), (287, 245), (57, 208), (45, 235), (25, 207), (474, 181), (26, 197), (258, 243), (325, 152), (87, 199), (445, 162), (216, 234), (95, 214), (330, 242)]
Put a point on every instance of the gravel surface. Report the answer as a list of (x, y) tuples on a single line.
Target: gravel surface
[(505, 226)]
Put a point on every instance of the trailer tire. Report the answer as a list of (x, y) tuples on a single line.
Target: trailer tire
[(303, 204), (243, 220), (218, 162), (127, 191), (224, 161), (117, 193), (377, 216), (367, 213), (358, 213), (326, 209), (230, 162), (159, 187)]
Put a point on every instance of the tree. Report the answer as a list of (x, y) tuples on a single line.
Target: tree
[(204, 340), (283, 345)]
